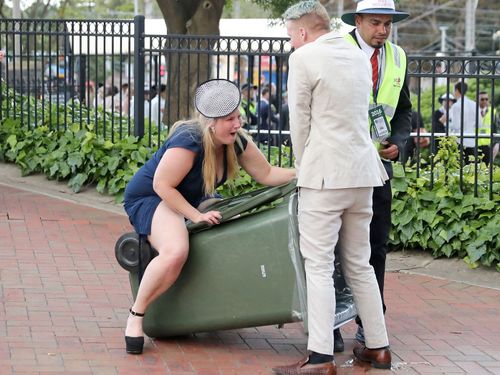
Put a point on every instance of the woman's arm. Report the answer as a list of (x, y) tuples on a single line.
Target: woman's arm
[(174, 165), (254, 162)]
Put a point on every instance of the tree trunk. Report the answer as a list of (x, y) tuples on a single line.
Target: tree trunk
[(186, 70)]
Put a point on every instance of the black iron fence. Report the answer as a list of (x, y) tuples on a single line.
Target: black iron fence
[(122, 81), (437, 77)]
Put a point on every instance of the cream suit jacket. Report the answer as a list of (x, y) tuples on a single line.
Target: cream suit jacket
[(329, 85)]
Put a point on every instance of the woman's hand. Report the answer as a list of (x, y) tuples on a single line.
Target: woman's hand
[(210, 217)]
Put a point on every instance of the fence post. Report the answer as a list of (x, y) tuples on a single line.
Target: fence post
[(138, 76), (82, 75)]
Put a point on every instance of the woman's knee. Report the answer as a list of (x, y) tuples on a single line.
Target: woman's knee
[(173, 257)]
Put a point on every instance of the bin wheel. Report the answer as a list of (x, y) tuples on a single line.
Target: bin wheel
[(127, 252)]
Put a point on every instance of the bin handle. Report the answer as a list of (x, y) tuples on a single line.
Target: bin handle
[(268, 195)]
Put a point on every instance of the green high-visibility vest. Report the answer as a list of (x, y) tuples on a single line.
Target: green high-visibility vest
[(485, 128), (393, 78), (247, 106), (251, 106)]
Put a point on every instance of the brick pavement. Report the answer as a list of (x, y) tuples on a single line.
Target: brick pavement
[(64, 302)]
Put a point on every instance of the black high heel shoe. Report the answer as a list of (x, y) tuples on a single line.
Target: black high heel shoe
[(134, 345)]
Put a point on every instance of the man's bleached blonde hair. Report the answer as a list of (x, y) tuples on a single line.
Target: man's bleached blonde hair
[(309, 9)]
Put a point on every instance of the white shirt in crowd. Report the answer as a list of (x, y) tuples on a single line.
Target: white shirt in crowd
[(157, 108), (469, 120)]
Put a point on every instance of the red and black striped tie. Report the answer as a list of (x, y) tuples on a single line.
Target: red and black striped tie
[(374, 61)]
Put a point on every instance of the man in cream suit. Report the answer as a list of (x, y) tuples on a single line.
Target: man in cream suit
[(329, 85)]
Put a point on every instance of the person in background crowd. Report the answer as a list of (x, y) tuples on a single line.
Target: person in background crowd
[(390, 95), (248, 108), (285, 120), (111, 98), (486, 114), (158, 104), (149, 94), (440, 118), (126, 94), (90, 94), (2, 67), (273, 96), (329, 81), (416, 142), (198, 156), (100, 95), (466, 124), (269, 120)]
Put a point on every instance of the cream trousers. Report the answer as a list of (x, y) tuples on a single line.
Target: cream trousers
[(324, 216)]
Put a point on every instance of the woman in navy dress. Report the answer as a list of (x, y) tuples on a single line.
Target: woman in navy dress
[(198, 156)]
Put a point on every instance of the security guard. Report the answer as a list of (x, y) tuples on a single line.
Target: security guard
[(485, 129), (390, 120), (248, 109)]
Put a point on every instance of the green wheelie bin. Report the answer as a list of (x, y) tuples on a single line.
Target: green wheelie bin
[(245, 272)]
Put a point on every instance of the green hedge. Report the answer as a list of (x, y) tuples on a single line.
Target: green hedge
[(433, 212), (76, 155)]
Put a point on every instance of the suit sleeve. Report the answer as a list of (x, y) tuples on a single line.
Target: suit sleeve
[(401, 122), (299, 104)]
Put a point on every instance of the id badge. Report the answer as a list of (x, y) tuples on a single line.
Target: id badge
[(380, 129)]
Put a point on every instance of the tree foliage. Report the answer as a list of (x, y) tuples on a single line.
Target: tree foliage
[(72, 9), (87, 9), (275, 7)]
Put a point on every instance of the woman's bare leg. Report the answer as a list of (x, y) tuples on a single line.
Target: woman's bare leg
[(170, 238)]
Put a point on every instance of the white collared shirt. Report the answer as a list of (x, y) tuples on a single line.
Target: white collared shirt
[(368, 50), (469, 120)]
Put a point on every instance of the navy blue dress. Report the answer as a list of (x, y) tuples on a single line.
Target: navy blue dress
[(141, 201)]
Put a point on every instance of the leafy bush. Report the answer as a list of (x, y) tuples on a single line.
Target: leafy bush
[(431, 211), (76, 155)]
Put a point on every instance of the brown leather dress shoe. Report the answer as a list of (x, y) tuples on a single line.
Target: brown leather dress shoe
[(303, 368), (379, 358)]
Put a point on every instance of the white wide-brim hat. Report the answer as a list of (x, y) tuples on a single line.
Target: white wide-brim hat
[(450, 97), (217, 98), (375, 7)]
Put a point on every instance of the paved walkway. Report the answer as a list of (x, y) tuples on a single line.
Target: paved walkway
[(64, 301)]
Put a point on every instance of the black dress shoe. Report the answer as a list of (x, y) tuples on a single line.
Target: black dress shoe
[(379, 358), (338, 341), (304, 368)]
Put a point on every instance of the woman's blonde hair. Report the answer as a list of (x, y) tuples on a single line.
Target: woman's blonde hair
[(204, 125)]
